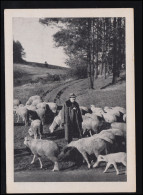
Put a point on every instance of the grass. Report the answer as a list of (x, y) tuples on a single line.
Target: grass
[(104, 94)]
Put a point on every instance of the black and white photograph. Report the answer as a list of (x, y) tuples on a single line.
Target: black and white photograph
[(71, 118)]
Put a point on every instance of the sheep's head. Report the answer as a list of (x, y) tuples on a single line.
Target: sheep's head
[(101, 158), (27, 140), (30, 132)]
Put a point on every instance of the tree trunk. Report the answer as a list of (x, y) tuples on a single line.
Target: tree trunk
[(115, 73), (90, 81)]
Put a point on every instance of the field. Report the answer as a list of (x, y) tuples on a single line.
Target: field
[(104, 94)]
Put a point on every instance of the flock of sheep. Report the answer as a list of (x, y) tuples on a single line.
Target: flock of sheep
[(96, 140)]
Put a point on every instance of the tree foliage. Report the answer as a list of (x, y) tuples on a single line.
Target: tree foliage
[(18, 52), (95, 43)]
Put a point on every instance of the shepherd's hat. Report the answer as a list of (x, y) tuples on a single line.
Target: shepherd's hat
[(72, 95)]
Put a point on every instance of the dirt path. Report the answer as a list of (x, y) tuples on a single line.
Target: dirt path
[(94, 175), (55, 93)]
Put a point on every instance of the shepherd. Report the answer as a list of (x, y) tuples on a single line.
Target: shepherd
[(71, 119)]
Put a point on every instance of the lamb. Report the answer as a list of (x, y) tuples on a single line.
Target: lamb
[(112, 159), (23, 113), (42, 148), (90, 145), (32, 98), (36, 128)]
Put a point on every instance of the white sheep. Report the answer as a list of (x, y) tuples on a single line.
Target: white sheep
[(31, 107), (52, 106), (36, 128), (120, 109), (112, 111), (41, 148), (109, 118), (93, 116), (89, 145), (35, 102), (23, 113), (112, 159), (21, 105), (32, 98), (97, 111), (117, 125), (42, 105), (90, 124), (84, 110), (56, 122), (16, 102), (124, 117), (41, 114)]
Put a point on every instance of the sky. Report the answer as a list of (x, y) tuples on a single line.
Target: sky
[(37, 41)]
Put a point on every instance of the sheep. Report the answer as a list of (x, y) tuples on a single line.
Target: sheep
[(35, 102), (93, 116), (124, 117), (90, 124), (120, 109), (41, 114), (113, 158), (52, 106), (109, 118), (119, 141), (36, 128), (32, 114), (23, 113), (16, 102), (42, 105), (42, 148), (97, 111), (31, 107), (84, 110), (21, 105), (32, 98), (56, 122), (112, 111), (90, 145), (117, 125)]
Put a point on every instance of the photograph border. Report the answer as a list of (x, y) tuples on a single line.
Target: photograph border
[(3, 100)]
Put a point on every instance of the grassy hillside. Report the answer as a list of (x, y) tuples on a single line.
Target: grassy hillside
[(24, 73)]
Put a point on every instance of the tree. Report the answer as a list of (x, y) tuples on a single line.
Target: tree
[(18, 52), (93, 43)]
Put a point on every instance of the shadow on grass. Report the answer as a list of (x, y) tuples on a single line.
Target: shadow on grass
[(22, 152), (59, 134), (120, 80), (19, 124)]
